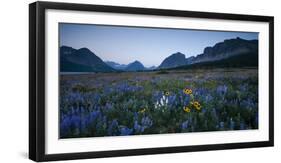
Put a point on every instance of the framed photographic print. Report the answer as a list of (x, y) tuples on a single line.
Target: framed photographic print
[(117, 81)]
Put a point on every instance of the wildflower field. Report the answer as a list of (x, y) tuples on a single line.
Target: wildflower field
[(158, 102)]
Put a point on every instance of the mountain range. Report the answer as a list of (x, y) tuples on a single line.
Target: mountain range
[(134, 66), (115, 65), (229, 53), (174, 60), (81, 60)]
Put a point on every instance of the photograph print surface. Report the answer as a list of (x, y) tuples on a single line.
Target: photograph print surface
[(122, 80)]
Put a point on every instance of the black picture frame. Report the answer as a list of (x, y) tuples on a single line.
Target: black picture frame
[(37, 78)]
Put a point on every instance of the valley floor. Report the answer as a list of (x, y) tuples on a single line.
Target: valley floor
[(155, 102)]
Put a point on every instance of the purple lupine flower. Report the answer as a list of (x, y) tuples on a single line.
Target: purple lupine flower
[(108, 106), (157, 95), (243, 87), (138, 128), (136, 114), (203, 110), (242, 126), (231, 124), (248, 104), (172, 100), (92, 116), (183, 98), (101, 123), (76, 97), (208, 98), (221, 125), (125, 131), (69, 123), (146, 122), (257, 118), (200, 92), (184, 125), (113, 128), (222, 90)]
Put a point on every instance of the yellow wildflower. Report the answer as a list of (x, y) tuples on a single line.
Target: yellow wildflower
[(187, 91), (186, 109), (197, 105), (143, 110), (167, 93)]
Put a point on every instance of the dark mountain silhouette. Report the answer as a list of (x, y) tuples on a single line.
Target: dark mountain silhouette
[(189, 60), (226, 49), (123, 67), (174, 60), (229, 53), (244, 60), (151, 68), (115, 65), (135, 66), (235, 52), (81, 60)]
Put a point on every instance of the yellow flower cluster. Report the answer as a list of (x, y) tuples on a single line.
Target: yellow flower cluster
[(187, 91), (194, 103), (186, 109)]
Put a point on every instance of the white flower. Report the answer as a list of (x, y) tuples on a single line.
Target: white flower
[(162, 102)]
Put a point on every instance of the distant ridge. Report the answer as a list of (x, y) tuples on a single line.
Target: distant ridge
[(228, 53), (81, 60), (135, 66), (231, 52), (115, 65), (174, 60), (227, 48)]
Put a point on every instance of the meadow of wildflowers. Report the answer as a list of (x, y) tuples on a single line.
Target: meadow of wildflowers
[(138, 103)]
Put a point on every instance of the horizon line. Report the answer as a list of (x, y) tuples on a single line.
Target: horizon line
[(147, 66)]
